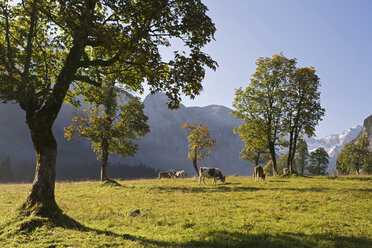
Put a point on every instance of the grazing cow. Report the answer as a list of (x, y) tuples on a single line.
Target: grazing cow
[(214, 173), (167, 174), (259, 173), (181, 174)]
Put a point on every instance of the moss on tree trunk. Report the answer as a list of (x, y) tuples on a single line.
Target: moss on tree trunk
[(41, 200)]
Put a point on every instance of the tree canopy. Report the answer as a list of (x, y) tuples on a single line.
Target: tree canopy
[(47, 45), (255, 148)]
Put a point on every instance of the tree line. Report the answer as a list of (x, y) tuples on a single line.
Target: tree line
[(24, 172)]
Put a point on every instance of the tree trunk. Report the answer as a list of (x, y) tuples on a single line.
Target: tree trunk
[(290, 151), (104, 160), (40, 200), (302, 167), (195, 163), (273, 158), (103, 171), (40, 116)]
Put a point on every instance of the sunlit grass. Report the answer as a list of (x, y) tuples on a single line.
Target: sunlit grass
[(281, 212)]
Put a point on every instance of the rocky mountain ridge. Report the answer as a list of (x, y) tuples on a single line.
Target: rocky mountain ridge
[(367, 130)]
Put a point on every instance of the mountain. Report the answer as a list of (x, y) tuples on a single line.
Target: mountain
[(333, 143), (166, 146), (74, 160)]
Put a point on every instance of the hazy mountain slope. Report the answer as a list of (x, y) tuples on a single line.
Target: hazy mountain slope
[(166, 146), (15, 142)]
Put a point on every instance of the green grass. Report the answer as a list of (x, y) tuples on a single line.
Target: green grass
[(281, 212)]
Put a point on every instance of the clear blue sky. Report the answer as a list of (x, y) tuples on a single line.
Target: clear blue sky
[(334, 36)]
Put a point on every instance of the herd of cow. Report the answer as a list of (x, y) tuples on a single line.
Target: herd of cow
[(206, 172)]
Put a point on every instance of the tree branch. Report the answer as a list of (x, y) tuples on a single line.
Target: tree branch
[(99, 62), (53, 19), (7, 37), (31, 34), (88, 80)]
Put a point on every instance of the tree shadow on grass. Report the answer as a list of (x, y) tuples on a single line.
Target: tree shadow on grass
[(358, 190), (226, 239), (356, 178), (217, 239), (222, 188), (27, 224), (278, 181)]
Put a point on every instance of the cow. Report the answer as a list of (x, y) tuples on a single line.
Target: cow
[(259, 173), (214, 173), (181, 174), (167, 174)]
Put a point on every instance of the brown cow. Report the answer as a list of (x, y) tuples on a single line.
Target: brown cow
[(259, 173)]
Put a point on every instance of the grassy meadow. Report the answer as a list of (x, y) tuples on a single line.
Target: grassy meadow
[(281, 212)]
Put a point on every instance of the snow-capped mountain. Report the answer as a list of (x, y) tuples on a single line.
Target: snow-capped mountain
[(333, 143)]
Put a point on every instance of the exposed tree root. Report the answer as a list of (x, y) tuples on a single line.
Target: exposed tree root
[(111, 183)]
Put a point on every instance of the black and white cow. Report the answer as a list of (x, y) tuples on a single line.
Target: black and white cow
[(215, 173), (181, 174)]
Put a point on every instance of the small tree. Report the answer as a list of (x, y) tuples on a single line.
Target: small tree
[(318, 162), (302, 156), (268, 168), (355, 156), (282, 162), (200, 143), (111, 128)]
